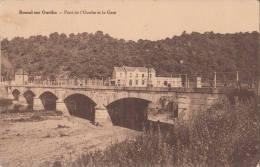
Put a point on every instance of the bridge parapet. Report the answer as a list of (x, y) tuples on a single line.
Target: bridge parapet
[(115, 88), (188, 99)]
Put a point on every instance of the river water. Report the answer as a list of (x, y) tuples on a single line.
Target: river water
[(12, 105)]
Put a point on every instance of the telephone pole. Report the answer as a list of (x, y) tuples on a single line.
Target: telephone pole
[(215, 79), (0, 60), (237, 76)]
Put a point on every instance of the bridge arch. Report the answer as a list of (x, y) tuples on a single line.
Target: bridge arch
[(29, 96), (84, 93), (28, 91), (129, 112), (48, 99), (115, 97), (15, 93), (52, 91), (124, 98), (80, 105)]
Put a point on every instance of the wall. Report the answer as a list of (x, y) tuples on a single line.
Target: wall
[(189, 100), (190, 103), (3, 92), (21, 79), (187, 105), (174, 82)]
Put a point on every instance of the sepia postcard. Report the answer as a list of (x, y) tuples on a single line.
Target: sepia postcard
[(129, 83)]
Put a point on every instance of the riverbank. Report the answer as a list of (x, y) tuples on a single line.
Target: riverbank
[(225, 135), (42, 137), (3, 92), (5, 101)]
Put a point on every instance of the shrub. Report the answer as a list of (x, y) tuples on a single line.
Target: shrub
[(224, 135), (240, 94), (36, 117)]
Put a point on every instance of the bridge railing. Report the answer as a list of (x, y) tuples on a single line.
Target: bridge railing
[(216, 80)]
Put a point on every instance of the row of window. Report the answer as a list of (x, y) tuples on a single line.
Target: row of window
[(131, 82), (130, 74), (165, 83)]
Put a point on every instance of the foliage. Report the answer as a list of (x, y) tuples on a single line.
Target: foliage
[(224, 135), (241, 95), (94, 55)]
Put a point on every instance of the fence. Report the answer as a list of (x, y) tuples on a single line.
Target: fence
[(202, 80)]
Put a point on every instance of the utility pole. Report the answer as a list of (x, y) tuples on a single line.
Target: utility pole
[(237, 77), (180, 82), (238, 83), (148, 80), (258, 86), (186, 79), (215, 79), (188, 82), (0, 60)]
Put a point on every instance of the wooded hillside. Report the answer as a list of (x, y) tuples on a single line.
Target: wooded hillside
[(94, 55)]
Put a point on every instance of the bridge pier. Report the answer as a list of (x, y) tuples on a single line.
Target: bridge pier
[(10, 96), (22, 100), (37, 104), (101, 116), (60, 106)]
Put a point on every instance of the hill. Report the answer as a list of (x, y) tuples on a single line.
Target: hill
[(94, 55)]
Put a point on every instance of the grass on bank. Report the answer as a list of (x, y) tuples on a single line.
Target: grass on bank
[(224, 135)]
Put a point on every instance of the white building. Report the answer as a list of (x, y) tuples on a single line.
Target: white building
[(168, 82), (119, 76), (21, 77), (138, 77), (134, 76)]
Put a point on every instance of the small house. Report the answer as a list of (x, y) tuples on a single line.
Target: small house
[(21, 77)]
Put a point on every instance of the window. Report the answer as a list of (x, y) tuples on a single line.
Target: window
[(136, 82), (121, 74), (150, 75), (136, 75), (165, 83), (142, 82), (118, 82), (130, 82), (143, 75), (130, 75)]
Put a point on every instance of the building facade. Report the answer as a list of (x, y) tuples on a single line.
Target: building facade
[(21, 77), (146, 77), (168, 82), (134, 76)]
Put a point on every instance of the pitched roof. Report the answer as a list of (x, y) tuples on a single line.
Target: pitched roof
[(20, 71), (140, 69), (152, 70), (119, 69), (133, 69), (130, 69)]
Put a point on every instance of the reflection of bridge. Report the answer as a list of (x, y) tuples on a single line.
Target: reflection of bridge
[(96, 100)]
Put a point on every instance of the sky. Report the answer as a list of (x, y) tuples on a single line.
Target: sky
[(135, 19)]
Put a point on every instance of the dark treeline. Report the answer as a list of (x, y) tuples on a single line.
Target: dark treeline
[(94, 55)]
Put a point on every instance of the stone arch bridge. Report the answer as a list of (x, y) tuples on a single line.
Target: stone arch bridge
[(100, 98)]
